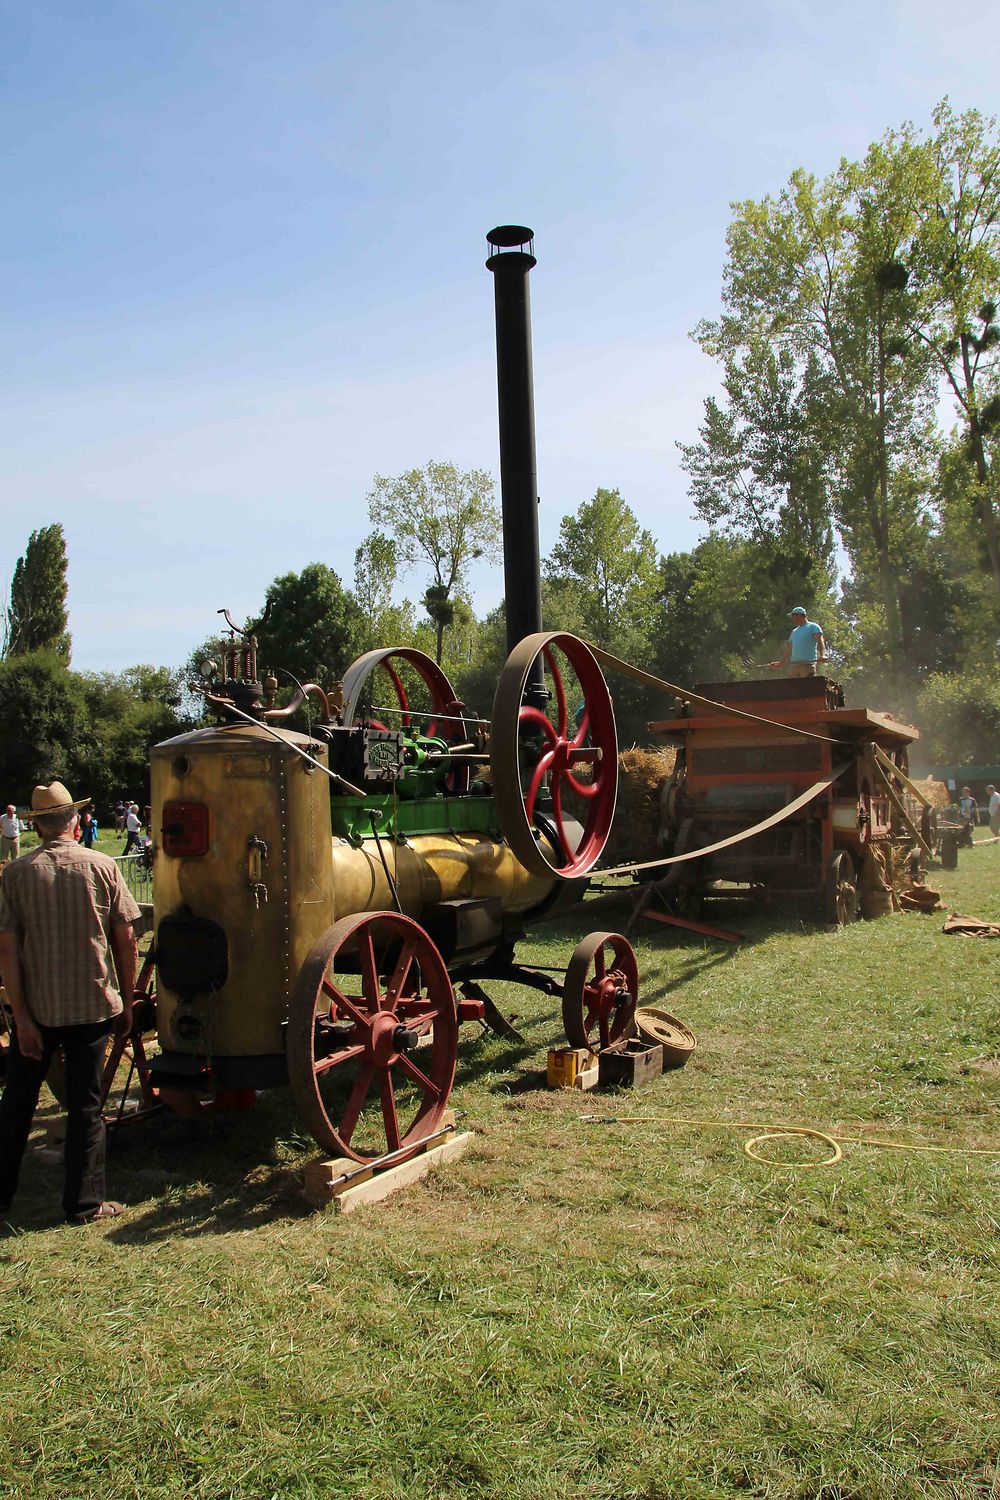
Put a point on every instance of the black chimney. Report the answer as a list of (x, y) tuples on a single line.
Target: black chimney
[(510, 264)]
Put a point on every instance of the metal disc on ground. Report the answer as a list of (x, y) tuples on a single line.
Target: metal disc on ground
[(677, 1040)]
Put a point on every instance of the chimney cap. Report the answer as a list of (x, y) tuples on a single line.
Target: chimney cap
[(510, 236)]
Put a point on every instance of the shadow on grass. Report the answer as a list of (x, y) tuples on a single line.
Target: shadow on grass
[(180, 1177)]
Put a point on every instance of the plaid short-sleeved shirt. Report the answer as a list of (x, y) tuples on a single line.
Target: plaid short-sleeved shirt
[(62, 902)]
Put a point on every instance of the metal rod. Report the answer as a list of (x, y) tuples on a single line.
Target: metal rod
[(380, 1161), (373, 816), (429, 713)]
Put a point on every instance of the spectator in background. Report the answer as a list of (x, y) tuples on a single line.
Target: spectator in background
[(967, 806), (119, 817), (993, 810), (132, 827), (10, 834), (88, 829)]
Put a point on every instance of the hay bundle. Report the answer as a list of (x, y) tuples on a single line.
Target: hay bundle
[(642, 775), (936, 792)]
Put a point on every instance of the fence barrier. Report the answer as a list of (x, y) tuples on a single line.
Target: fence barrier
[(138, 875)]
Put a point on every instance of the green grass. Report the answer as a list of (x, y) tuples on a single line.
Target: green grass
[(573, 1309)]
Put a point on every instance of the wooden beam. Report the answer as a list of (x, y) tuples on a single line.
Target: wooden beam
[(690, 926), (409, 1172), (897, 803), (890, 765)]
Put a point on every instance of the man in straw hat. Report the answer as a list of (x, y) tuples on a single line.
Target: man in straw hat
[(65, 913)]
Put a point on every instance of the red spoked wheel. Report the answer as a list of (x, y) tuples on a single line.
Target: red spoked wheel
[(600, 991), (439, 701), (538, 756), (428, 706), (372, 1037)]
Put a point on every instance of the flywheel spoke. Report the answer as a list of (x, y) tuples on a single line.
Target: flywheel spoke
[(550, 662), (557, 818), (536, 780), (582, 788), (397, 683), (370, 986), (400, 974), (346, 1002), (334, 1060), (534, 716), (427, 1084), (356, 1102), (389, 1109)]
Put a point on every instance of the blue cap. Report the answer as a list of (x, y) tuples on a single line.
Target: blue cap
[(798, 610)]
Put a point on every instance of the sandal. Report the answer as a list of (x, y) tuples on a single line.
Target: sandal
[(106, 1211)]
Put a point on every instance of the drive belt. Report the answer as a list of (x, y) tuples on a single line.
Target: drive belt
[(801, 801)]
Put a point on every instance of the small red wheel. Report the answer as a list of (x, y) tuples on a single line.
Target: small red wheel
[(372, 988), (536, 756), (601, 991)]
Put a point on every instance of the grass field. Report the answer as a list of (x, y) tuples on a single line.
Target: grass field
[(573, 1309)]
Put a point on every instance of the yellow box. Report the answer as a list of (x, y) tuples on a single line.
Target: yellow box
[(565, 1064)]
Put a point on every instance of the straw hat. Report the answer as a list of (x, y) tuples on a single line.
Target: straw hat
[(53, 798)]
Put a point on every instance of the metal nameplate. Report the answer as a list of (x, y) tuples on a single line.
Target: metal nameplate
[(383, 755)]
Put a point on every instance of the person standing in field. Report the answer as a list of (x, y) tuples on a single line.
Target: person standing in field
[(805, 647), (10, 834), (993, 810), (967, 806), (66, 919), (132, 827), (88, 829)]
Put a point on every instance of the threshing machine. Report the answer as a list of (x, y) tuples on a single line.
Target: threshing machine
[(823, 785)]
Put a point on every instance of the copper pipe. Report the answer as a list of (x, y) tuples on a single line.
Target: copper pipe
[(301, 694)]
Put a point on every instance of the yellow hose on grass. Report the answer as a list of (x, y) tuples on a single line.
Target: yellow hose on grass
[(765, 1132)]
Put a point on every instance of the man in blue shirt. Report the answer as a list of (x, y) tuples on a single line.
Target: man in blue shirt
[(805, 648)]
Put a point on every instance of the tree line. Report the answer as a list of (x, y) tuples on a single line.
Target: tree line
[(850, 464)]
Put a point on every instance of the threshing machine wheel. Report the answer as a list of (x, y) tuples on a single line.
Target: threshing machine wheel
[(372, 1037), (840, 896), (600, 991), (536, 754), (929, 827)]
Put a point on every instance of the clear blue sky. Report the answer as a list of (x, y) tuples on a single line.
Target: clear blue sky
[(243, 257)]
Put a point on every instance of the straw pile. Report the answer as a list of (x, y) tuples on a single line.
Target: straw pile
[(936, 792), (642, 775)]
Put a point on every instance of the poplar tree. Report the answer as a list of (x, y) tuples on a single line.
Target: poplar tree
[(36, 617)]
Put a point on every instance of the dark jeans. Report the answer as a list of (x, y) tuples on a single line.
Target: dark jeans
[(131, 842), (83, 1050)]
